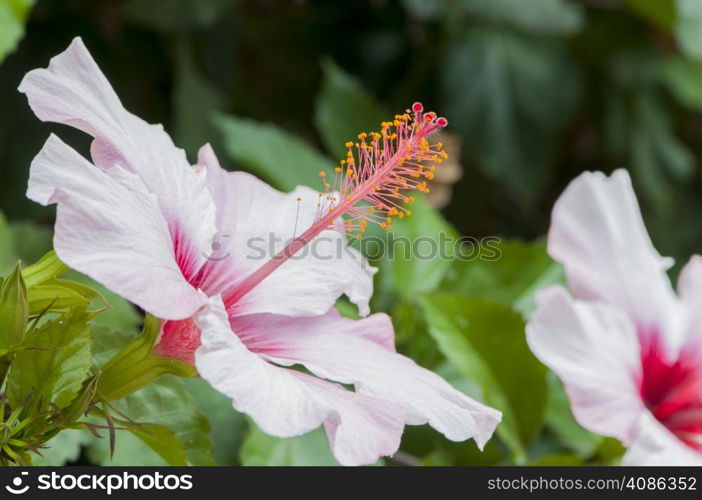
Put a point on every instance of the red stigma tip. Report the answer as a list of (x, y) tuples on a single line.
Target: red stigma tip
[(442, 122), (430, 116), (417, 107)]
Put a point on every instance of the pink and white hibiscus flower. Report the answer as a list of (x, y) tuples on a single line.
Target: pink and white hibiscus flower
[(628, 349), (176, 240)]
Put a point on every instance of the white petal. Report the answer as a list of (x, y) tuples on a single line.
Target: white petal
[(656, 446), (594, 350), (690, 289), (331, 347), (109, 227), (256, 222), (73, 90), (287, 403), (598, 234)]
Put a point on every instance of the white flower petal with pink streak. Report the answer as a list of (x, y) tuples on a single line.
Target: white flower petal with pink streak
[(73, 91), (654, 445), (258, 221), (594, 350), (343, 350), (627, 348), (109, 227), (597, 233), (287, 403)]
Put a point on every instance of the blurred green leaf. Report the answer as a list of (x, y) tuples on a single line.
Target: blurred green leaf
[(309, 449), (489, 80), (661, 13), (344, 109), (195, 101), (129, 451), (560, 420), (688, 29), (227, 425), (65, 447), (175, 15), (419, 250), (512, 276), (639, 128), (32, 241), (425, 9), (13, 15), (269, 152), (558, 461), (485, 340), (683, 78), (54, 362), (545, 17)]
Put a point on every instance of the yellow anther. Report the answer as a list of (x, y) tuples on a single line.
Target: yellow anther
[(322, 173), (348, 144)]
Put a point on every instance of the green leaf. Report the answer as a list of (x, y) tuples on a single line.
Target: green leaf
[(164, 402), (167, 403), (13, 15), (511, 274), (56, 295), (485, 341), (135, 366), (489, 81), (14, 309), (7, 246), (159, 438), (311, 449), (269, 152), (54, 362), (543, 17), (48, 267), (344, 109)]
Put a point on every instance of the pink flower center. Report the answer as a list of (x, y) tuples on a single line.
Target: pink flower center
[(368, 186), (672, 390)]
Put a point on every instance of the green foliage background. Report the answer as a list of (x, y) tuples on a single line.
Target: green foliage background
[(537, 90)]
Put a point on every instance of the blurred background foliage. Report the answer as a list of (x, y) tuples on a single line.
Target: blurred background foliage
[(536, 91)]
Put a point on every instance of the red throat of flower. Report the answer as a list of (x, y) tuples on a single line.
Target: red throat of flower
[(370, 185)]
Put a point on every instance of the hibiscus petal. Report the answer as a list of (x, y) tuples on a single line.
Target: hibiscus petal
[(256, 222), (287, 403), (598, 234), (73, 91), (331, 347), (654, 445), (109, 227), (594, 350)]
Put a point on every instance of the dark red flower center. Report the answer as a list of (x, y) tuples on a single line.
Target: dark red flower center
[(672, 390)]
